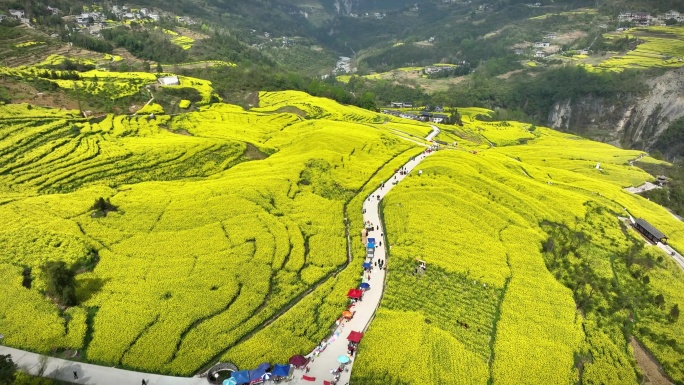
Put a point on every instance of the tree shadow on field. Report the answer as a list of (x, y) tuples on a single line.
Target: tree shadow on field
[(87, 287)]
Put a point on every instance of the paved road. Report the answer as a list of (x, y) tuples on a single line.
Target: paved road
[(320, 368), (644, 187), (323, 364), (435, 132), (90, 374), (672, 253)]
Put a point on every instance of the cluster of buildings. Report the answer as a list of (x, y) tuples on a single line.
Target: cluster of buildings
[(431, 70), (375, 15), (644, 19), (126, 13), (422, 116), (16, 14)]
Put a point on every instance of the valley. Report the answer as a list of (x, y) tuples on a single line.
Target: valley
[(187, 190)]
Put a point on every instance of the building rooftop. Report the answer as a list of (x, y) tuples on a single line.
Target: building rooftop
[(651, 230)]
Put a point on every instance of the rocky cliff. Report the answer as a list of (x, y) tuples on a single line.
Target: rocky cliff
[(624, 120)]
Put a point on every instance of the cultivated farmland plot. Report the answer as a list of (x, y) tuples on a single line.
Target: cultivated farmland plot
[(226, 218)]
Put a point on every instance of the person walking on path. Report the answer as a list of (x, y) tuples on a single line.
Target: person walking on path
[(75, 375), (144, 382)]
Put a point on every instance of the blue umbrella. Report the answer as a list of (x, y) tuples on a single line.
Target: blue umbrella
[(266, 376), (229, 381), (367, 265), (365, 285), (343, 359)]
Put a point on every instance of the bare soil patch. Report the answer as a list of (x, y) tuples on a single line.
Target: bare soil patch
[(192, 34), (509, 74), (651, 369), (127, 55), (25, 93), (569, 37), (292, 110), (253, 153), (179, 132), (253, 99)]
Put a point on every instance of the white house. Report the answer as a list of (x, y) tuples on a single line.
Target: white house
[(154, 16), (438, 118), (539, 54), (169, 81), (17, 13), (144, 11), (83, 18), (625, 16), (53, 10), (673, 15), (542, 44)]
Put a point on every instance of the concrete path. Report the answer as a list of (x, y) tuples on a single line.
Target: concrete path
[(325, 362), (644, 187), (89, 374), (435, 132)]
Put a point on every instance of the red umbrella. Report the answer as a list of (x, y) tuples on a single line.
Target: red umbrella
[(298, 360), (355, 336)]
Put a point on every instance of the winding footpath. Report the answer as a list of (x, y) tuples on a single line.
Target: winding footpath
[(320, 367)]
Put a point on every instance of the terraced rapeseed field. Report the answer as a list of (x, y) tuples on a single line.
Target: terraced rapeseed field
[(487, 308), (659, 47), (226, 217)]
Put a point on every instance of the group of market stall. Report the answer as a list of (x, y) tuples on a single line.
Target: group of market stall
[(262, 373)]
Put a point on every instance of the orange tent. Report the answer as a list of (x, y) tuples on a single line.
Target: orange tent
[(347, 314)]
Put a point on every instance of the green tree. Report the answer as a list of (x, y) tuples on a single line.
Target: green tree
[(455, 118), (60, 282), (659, 300), (8, 370), (103, 206), (674, 313), (367, 101)]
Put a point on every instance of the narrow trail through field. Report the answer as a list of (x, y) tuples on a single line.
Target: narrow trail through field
[(64, 370)]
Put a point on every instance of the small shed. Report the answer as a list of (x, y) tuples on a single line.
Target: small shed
[(650, 232), (169, 81), (355, 337)]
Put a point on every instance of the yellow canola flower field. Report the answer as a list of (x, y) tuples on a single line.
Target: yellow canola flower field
[(658, 47), (224, 217), (476, 219), (103, 83), (227, 218)]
